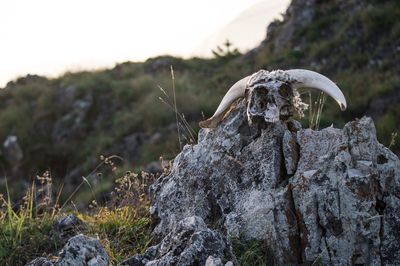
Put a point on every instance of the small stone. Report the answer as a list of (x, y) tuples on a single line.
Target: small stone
[(69, 226), (82, 250), (137, 260), (211, 261)]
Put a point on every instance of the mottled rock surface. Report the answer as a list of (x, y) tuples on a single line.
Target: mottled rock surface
[(41, 262), (211, 261), (331, 196), (189, 243), (80, 250), (68, 227)]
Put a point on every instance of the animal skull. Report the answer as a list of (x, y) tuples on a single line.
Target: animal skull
[(270, 100), (273, 96)]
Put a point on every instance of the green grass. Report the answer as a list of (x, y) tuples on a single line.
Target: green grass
[(24, 238), (124, 232), (29, 232), (253, 253), (24, 234)]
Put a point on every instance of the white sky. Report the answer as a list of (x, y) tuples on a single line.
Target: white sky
[(49, 37)]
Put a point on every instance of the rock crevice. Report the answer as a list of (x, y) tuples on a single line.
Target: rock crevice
[(311, 195)]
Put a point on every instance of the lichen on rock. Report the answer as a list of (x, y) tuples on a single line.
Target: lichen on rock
[(189, 243), (80, 250), (331, 195)]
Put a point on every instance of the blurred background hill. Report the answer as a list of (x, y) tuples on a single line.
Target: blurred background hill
[(65, 124)]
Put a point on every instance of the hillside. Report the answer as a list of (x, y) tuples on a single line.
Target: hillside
[(65, 124)]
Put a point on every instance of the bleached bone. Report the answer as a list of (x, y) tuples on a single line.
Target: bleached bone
[(310, 79), (235, 92), (297, 78)]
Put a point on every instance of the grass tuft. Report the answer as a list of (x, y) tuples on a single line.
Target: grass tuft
[(253, 253), (27, 229)]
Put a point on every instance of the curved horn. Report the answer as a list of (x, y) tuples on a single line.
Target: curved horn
[(235, 92), (310, 79)]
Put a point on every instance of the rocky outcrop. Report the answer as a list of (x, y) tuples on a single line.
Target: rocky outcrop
[(299, 14), (329, 196)]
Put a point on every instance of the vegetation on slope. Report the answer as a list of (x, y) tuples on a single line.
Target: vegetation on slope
[(65, 124), (356, 43)]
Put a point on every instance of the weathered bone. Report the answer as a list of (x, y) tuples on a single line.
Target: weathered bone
[(271, 100), (298, 78), (235, 92), (310, 79)]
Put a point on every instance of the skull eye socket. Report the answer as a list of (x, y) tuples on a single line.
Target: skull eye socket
[(262, 105), (259, 92), (261, 89), (285, 91)]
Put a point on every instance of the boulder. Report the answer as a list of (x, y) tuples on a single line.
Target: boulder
[(330, 196)]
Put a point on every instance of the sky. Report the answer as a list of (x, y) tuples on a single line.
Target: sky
[(50, 37)]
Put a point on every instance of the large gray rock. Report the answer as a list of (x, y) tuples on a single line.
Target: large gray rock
[(331, 196)]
